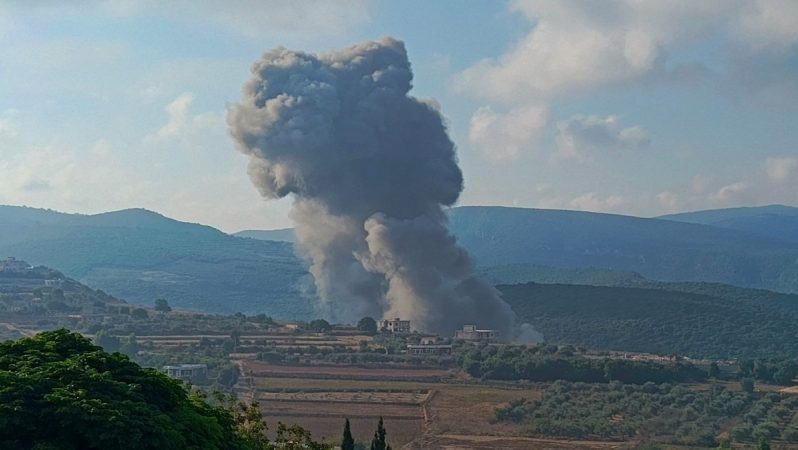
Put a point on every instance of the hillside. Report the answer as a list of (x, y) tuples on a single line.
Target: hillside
[(775, 221), (692, 319), (657, 249), (506, 242), (281, 235), (139, 255)]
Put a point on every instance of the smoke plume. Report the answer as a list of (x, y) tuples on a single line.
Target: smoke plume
[(370, 169)]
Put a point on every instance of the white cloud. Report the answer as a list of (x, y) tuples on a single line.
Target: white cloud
[(505, 135), (731, 192), (668, 201), (580, 136), (591, 201), (8, 130), (250, 18), (780, 170), (575, 47), (184, 126)]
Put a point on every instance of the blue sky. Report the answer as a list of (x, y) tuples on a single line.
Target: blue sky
[(630, 107)]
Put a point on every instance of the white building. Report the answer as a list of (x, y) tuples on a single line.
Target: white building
[(12, 264), (396, 325), (186, 372), (429, 349), (471, 333)]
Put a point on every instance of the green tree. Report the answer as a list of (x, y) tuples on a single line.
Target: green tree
[(747, 385), (58, 391), (763, 445), (348, 442), (161, 305), (108, 342), (61, 392), (379, 442), (130, 347), (320, 326), (714, 370), (367, 325), (139, 314)]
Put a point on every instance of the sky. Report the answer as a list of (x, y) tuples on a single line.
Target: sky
[(621, 106)]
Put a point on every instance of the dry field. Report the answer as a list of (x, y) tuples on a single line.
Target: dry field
[(259, 369), (422, 408)]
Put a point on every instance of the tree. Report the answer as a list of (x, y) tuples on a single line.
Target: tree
[(747, 385), (320, 326), (59, 392), (130, 347), (108, 342), (378, 442), (140, 314), (763, 445), (348, 442), (235, 336), (367, 325), (714, 370), (161, 305)]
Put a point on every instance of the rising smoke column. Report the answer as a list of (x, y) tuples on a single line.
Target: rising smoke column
[(370, 169)]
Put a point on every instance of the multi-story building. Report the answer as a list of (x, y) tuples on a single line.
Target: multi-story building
[(396, 325), (471, 333), (186, 372)]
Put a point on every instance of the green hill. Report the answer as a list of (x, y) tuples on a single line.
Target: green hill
[(776, 221), (657, 249), (281, 235), (693, 319), (139, 256)]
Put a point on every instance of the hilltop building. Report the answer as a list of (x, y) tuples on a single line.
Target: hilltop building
[(472, 334), (396, 325), (429, 346), (12, 264), (186, 372)]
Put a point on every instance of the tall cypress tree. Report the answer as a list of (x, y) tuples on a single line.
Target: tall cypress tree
[(378, 442), (348, 443)]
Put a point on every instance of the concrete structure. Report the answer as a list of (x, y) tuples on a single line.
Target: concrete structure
[(429, 349), (472, 334), (396, 325), (186, 372), (12, 264)]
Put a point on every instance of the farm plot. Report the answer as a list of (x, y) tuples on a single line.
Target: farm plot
[(259, 369)]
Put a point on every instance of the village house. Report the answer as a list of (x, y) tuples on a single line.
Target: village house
[(428, 346), (396, 325), (186, 372), (472, 334), (12, 264)]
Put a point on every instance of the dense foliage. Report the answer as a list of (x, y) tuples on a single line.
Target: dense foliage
[(690, 319), (663, 412), (59, 391), (550, 363)]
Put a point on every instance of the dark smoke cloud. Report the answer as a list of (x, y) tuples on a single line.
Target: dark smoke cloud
[(370, 169)]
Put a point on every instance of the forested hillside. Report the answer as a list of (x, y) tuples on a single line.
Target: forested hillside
[(697, 320), (139, 255), (776, 221), (657, 249)]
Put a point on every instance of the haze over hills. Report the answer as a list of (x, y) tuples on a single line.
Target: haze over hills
[(776, 221), (139, 255), (280, 235), (657, 249)]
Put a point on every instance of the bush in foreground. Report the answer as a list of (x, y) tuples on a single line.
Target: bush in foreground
[(59, 391)]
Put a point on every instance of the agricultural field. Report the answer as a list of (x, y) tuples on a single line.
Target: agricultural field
[(416, 404)]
